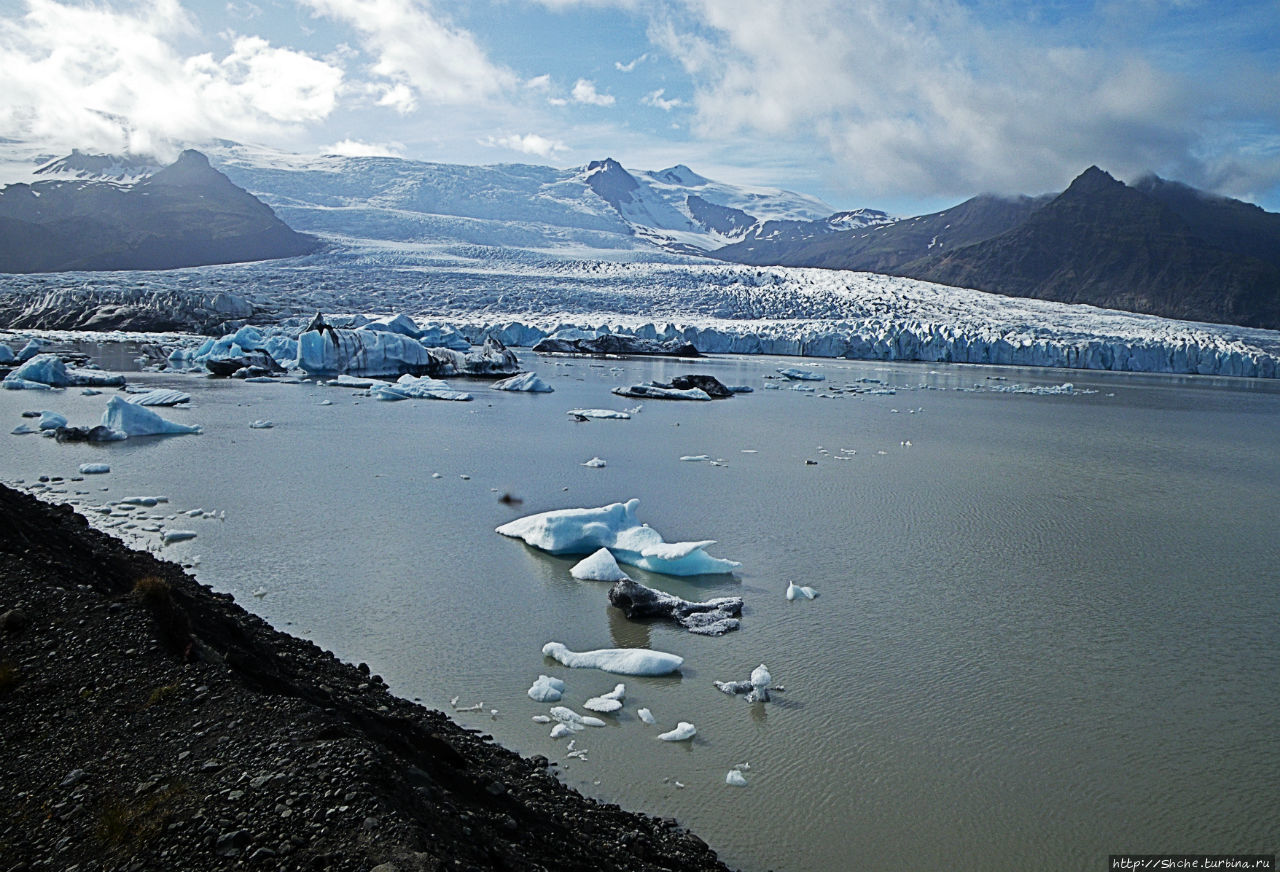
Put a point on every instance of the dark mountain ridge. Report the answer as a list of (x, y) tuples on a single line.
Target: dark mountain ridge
[(186, 214)]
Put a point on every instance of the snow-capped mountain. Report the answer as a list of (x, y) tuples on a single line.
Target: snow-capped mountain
[(601, 206)]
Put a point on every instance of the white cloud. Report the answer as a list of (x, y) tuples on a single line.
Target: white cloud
[(656, 100), (530, 143), (931, 97), (356, 148), (630, 65), (94, 77), (414, 47), (584, 91), (539, 83)]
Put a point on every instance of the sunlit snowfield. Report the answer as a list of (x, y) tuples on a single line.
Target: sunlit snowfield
[(1045, 630)]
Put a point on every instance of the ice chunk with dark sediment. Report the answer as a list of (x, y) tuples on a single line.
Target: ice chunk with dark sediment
[(714, 617)]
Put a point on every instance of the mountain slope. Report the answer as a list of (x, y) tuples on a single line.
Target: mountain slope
[(186, 214), (878, 243), (1104, 243)]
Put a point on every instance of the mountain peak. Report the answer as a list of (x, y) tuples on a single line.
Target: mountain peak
[(191, 168), (680, 175), (1094, 180)]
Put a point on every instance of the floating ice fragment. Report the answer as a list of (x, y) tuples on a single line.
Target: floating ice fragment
[(735, 778), (622, 661), (260, 424), (178, 536), (541, 719), (696, 458), (595, 463), (600, 566), (559, 731), (682, 733), (51, 420), (599, 413), (645, 715), (260, 592), (546, 689), (581, 531), (528, 382), (795, 591), (140, 421), (158, 397), (94, 468), (801, 375), (607, 702)]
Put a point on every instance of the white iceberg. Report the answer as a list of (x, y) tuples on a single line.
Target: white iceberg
[(621, 661), (599, 413), (158, 397), (645, 715), (607, 702), (409, 387), (581, 531), (600, 566), (178, 536), (559, 731), (546, 689), (94, 469), (735, 778), (801, 375), (132, 420), (527, 381), (573, 720), (682, 733), (261, 424), (595, 463), (795, 591)]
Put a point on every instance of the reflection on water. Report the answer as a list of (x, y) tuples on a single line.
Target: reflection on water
[(1046, 629)]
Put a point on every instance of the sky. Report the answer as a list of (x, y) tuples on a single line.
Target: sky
[(903, 105)]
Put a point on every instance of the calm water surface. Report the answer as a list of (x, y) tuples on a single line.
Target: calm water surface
[(1047, 628)]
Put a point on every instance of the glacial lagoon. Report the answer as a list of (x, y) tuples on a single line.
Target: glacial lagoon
[(1045, 629)]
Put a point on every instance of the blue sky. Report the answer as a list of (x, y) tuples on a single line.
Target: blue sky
[(904, 105)]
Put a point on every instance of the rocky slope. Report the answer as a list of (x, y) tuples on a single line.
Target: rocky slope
[(151, 724), (186, 214)]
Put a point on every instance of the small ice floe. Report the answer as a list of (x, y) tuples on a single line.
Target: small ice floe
[(172, 536), (51, 420), (795, 591), (621, 661), (801, 375), (90, 392), (803, 388), (683, 732), (607, 702), (599, 566), (260, 592), (577, 754), (645, 715), (409, 387), (735, 778), (541, 719), (157, 397), (582, 531), (260, 424), (715, 617), (656, 391), (546, 689), (559, 731), (599, 413), (696, 458), (574, 721), (478, 707), (133, 420), (94, 468), (325, 403), (595, 463), (349, 381), (23, 430), (527, 382), (436, 475), (756, 687)]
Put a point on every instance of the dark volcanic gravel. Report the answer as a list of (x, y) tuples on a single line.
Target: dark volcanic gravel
[(148, 723)]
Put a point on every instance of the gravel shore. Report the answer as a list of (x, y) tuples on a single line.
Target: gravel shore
[(148, 723)]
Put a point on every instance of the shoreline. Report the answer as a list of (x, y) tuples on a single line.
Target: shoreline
[(152, 723)]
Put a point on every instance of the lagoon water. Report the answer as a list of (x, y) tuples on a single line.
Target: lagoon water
[(1046, 629)]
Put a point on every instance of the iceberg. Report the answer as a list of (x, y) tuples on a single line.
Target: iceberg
[(7, 357), (595, 463), (49, 370), (133, 420), (526, 381), (581, 531), (330, 351), (714, 617), (658, 392), (94, 469), (683, 732), (607, 702), (409, 387), (51, 420), (573, 720), (599, 413), (599, 566), (158, 397), (735, 778), (801, 375), (546, 689), (621, 661), (645, 715), (794, 591)]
